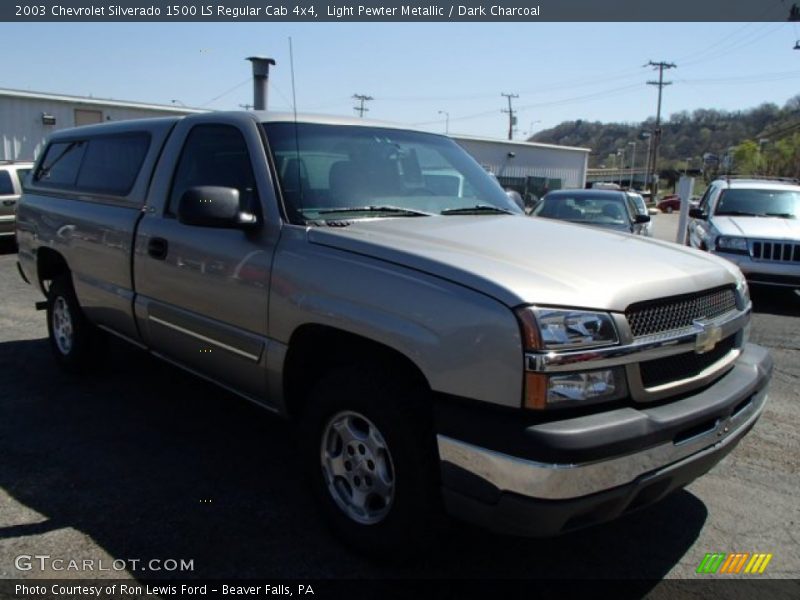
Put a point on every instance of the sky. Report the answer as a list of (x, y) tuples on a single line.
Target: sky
[(560, 71)]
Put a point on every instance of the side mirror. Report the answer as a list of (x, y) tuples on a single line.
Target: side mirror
[(697, 213), (642, 219), (212, 206)]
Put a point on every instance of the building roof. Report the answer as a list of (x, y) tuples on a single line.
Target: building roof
[(9, 93), (469, 138)]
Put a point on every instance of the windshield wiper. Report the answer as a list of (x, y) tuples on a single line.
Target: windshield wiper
[(781, 215), (736, 213), (406, 212), (476, 210)]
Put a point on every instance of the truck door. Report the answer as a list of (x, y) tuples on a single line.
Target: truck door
[(202, 292)]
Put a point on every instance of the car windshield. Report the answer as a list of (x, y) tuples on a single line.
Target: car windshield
[(343, 172), (759, 203), (596, 210), (638, 200)]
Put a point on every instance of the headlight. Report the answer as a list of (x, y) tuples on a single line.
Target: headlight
[(742, 294), (559, 329), (570, 390), (734, 245)]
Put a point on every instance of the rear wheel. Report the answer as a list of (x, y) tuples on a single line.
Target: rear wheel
[(72, 338), (370, 454)]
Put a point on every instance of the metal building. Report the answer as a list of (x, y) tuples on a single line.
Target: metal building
[(27, 118), (528, 167)]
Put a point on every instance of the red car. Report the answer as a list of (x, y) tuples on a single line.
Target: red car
[(669, 203), (672, 203)]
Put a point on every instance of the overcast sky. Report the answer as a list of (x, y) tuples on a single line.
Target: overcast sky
[(561, 71)]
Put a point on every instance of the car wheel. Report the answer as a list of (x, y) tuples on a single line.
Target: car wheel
[(370, 455), (72, 337), (669, 210)]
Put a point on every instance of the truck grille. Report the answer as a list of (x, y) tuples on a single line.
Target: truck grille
[(678, 312), (776, 251), (683, 366)]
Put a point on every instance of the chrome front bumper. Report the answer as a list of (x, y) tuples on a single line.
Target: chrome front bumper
[(479, 480)]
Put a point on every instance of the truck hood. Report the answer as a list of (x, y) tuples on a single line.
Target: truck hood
[(525, 260), (765, 228)]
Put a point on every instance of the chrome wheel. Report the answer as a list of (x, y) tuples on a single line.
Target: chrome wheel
[(63, 332), (357, 467)]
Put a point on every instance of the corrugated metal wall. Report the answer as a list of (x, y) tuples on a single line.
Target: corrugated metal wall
[(565, 164), (22, 133)]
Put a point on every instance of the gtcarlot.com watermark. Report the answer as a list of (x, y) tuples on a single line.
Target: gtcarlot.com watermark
[(46, 562)]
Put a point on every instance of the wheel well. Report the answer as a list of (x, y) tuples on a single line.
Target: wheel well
[(49, 265), (315, 350)]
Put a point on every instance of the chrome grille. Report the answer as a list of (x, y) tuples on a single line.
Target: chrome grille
[(678, 312), (776, 251), (683, 366)]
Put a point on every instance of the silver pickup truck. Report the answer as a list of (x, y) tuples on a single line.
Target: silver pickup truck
[(437, 348)]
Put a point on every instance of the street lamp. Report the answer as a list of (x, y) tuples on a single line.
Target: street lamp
[(530, 127), (446, 121), (633, 162)]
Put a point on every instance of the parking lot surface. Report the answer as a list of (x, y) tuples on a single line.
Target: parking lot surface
[(141, 461)]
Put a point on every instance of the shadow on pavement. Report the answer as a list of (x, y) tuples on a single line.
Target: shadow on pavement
[(152, 463), (775, 301), (8, 245)]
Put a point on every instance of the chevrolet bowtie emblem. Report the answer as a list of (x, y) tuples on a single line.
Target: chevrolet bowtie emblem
[(707, 338)]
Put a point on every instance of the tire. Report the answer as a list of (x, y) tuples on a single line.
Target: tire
[(669, 210), (369, 452), (73, 339)]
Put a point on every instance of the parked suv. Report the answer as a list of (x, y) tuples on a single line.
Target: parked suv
[(12, 174), (754, 223), (436, 348)]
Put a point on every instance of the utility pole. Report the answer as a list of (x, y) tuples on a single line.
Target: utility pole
[(512, 119), (657, 132), (361, 109)]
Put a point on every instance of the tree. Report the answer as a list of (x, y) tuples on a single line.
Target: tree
[(747, 158)]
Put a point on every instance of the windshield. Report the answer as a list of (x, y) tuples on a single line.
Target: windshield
[(335, 172), (641, 207), (759, 203), (595, 210)]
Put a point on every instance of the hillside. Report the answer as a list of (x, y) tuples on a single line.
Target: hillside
[(769, 131)]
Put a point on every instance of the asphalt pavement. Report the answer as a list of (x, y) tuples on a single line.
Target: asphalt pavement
[(140, 461)]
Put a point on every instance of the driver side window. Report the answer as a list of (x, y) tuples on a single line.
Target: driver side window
[(215, 155)]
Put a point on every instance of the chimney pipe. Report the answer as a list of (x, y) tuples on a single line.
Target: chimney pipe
[(260, 79)]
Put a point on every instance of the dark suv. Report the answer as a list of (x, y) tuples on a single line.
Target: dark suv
[(609, 209)]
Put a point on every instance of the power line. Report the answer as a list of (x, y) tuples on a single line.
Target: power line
[(512, 120), (361, 108), (657, 132), (226, 92), (558, 102)]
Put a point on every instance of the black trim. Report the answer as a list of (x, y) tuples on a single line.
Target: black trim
[(768, 279)]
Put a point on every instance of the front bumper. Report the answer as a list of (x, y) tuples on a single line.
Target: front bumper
[(766, 272), (586, 470)]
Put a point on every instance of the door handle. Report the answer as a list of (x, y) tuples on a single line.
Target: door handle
[(157, 248)]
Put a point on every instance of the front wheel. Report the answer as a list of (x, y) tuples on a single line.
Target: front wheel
[(370, 454)]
